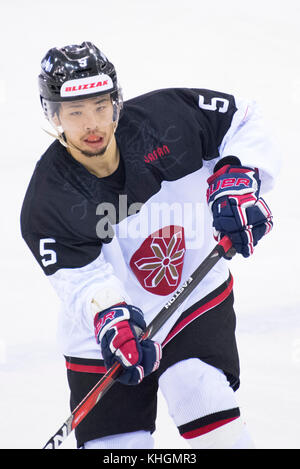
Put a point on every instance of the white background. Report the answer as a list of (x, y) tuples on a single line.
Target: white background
[(246, 48)]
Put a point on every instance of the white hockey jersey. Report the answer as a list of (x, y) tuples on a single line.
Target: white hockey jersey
[(143, 230)]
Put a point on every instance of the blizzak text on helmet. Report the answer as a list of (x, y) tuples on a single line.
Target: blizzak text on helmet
[(86, 86)]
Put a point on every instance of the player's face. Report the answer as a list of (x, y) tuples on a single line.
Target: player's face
[(88, 124)]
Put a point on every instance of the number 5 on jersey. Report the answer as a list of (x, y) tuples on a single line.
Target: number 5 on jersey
[(48, 255), (213, 105)]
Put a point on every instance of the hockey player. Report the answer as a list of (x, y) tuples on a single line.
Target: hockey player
[(122, 207)]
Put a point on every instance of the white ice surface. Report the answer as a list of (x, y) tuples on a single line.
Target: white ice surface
[(251, 49)]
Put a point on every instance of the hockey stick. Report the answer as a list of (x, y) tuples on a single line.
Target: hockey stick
[(104, 384)]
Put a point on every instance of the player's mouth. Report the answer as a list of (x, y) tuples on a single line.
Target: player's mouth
[(94, 141)]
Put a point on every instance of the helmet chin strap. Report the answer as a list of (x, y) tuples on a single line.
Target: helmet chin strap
[(59, 136)]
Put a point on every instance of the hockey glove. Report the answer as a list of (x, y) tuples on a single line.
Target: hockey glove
[(237, 209), (117, 330)]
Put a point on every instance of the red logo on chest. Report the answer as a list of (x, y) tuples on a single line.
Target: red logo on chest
[(158, 263)]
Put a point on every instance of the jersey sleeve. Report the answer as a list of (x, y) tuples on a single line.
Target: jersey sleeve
[(215, 112), (59, 225), (250, 139), (235, 126), (60, 228)]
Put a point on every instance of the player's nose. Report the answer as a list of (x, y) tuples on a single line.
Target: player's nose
[(90, 122)]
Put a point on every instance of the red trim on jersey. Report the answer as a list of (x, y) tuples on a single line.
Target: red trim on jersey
[(86, 368), (198, 312), (207, 428)]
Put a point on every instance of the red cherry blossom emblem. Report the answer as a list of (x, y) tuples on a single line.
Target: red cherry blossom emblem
[(158, 263)]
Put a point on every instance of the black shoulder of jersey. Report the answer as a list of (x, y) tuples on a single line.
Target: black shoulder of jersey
[(212, 111), (58, 208), (173, 130), (53, 189)]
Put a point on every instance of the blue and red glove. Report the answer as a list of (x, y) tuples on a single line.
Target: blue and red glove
[(237, 209), (117, 330)]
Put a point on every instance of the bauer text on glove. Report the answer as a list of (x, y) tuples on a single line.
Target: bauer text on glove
[(237, 209)]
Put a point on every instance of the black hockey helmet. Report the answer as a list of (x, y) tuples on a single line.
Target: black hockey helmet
[(76, 72)]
